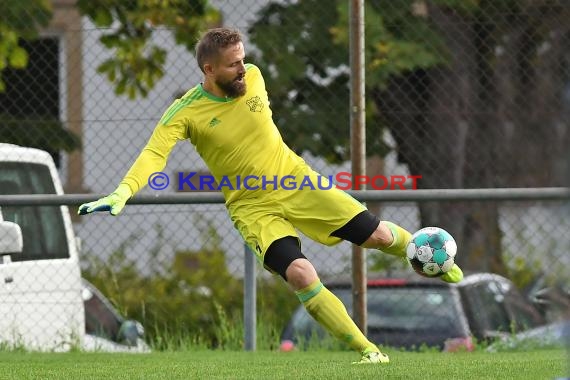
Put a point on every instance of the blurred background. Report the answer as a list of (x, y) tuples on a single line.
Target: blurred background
[(464, 93)]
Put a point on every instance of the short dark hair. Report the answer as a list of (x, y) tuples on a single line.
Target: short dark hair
[(212, 41)]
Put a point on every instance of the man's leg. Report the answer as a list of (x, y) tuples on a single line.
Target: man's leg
[(284, 256), (367, 231)]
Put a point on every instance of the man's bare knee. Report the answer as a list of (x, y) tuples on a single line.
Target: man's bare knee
[(301, 273)]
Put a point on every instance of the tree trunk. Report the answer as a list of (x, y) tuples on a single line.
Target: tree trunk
[(495, 116), (431, 115)]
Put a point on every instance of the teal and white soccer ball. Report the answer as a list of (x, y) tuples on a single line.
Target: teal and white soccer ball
[(431, 251)]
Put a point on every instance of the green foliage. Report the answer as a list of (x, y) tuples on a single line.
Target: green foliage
[(523, 270), (384, 263), (192, 301), (306, 74), (44, 133), (397, 40), (21, 19), (532, 261), (305, 53), (175, 299), (137, 63), (25, 16), (275, 305)]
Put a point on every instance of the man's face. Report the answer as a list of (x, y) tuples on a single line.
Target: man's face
[(229, 71)]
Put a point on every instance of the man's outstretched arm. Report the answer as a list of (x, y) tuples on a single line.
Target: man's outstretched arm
[(152, 159)]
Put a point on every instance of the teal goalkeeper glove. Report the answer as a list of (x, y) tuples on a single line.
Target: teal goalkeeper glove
[(114, 202)]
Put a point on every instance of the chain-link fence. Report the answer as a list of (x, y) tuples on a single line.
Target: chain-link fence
[(465, 94)]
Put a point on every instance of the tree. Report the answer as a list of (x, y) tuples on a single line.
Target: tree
[(22, 19), (487, 108), (135, 67), (138, 63), (435, 79), (21, 23), (308, 49), (464, 86)]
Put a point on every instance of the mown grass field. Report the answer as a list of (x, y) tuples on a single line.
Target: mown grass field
[(535, 365)]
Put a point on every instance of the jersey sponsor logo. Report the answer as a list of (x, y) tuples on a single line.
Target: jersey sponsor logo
[(255, 104), (215, 121)]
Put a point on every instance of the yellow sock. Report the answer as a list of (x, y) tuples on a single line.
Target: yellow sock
[(330, 313), (401, 240)]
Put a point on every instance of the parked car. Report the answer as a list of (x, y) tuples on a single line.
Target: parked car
[(105, 328), (409, 313), (556, 334), (552, 298), (44, 302)]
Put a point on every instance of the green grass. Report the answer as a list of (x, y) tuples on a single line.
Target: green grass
[(539, 364)]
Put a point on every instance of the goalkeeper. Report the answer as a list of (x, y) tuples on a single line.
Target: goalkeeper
[(228, 120)]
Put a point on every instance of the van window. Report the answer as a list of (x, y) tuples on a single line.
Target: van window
[(42, 227), (100, 319)]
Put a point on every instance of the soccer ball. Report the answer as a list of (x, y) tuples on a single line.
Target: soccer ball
[(431, 251)]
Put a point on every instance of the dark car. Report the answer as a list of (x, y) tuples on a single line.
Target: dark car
[(418, 312), (105, 328)]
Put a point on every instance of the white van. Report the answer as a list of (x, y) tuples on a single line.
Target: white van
[(44, 302)]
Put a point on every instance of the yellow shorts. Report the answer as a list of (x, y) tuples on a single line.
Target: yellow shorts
[(317, 213)]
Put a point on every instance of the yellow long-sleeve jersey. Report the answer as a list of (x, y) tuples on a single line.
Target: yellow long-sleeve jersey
[(236, 138)]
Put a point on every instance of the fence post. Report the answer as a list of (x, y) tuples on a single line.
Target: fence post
[(358, 149), (249, 300)]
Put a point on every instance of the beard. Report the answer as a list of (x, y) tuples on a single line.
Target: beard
[(233, 88)]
